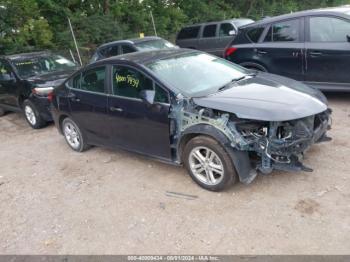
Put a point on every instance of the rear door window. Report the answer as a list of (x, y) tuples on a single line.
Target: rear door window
[(127, 49), (286, 31), (225, 29), (92, 80), (189, 32), (105, 51), (113, 51), (329, 29), (255, 33), (209, 31)]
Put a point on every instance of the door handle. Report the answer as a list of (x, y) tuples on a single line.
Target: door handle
[(74, 98), (260, 52), (315, 53), (116, 109)]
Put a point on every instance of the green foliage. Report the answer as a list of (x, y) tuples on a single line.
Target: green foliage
[(27, 25), (22, 28)]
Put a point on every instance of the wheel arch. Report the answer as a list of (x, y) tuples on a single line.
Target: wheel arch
[(254, 65), (240, 159), (20, 100), (60, 121)]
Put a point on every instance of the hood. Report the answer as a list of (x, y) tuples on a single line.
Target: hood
[(267, 97), (52, 79)]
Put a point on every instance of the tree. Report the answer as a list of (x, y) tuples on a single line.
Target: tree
[(39, 24), (22, 28)]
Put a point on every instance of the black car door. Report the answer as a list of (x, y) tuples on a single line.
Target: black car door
[(280, 50), (136, 125), (8, 85), (328, 51), (88, 104)]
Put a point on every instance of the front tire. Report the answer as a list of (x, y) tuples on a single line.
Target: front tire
[(208, 164), (73, 135), (2, 112), (32, 115)]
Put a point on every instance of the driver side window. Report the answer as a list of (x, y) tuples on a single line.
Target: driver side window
[(225, 29), (128, 82), (329, 29)]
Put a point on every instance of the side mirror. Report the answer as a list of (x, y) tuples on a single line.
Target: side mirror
[(148, 96), (232, 32)]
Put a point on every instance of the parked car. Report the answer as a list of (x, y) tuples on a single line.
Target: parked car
[(210, 37), (26, 82), (188, 107), (310, 46), (129, 46)]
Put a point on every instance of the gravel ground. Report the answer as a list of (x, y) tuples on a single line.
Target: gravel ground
[(56, 201)]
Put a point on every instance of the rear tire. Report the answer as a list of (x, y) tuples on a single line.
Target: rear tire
[(73, 135), (2, 112), (32, 115), (208, 164)]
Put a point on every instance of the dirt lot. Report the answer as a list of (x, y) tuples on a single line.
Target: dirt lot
[(56, 201)]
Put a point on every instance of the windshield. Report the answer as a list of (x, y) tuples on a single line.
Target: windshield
[(196, 74), (42, 65), (154, 44)]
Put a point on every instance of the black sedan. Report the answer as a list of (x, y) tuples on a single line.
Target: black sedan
[(223, 122), (310, 46), (27, 81)]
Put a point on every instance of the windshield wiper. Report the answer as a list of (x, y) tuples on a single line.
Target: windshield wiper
[(229, 84)]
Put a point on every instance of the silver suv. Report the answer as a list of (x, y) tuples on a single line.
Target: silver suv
[(210, 37)]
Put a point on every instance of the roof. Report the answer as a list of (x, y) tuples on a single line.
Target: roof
[(27, 55), (147, 57), (343, 10), (223, 21), (130, 41)]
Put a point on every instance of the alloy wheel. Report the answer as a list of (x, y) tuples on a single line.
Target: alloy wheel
[(206, 166), (72, 135), (30, 115)]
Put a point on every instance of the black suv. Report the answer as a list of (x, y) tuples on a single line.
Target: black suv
[(27, 81), (129, 46), (311, 46)]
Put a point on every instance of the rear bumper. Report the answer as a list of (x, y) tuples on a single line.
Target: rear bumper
[(42, 104)]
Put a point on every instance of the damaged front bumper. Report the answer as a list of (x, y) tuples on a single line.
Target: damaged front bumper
[(255, 145), (281, 145)]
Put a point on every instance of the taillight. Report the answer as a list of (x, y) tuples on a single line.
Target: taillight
[(229, 51), (50, 96), (44, 92)]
